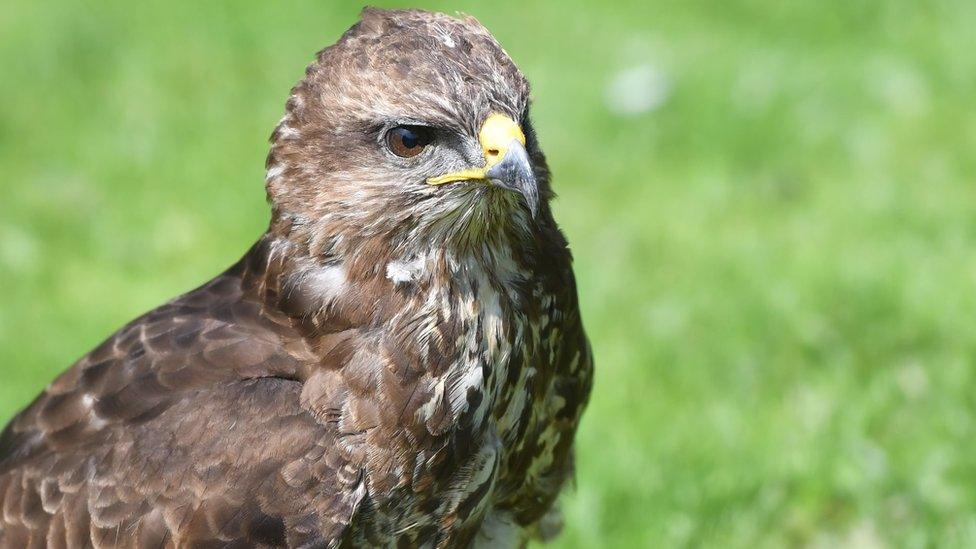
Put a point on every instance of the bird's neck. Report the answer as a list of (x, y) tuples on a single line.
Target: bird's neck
[(330, 283)]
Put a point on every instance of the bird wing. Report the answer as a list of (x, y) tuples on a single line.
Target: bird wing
[(184, 427)]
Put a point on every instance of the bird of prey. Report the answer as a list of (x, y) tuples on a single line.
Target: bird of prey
[(398, 360)]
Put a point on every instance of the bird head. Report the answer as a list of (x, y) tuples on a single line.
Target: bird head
[(413, 127)]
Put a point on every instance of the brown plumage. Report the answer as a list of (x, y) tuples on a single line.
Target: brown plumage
[(393, 362)]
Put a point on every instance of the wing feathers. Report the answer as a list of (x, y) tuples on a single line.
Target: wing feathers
[(179, 430)]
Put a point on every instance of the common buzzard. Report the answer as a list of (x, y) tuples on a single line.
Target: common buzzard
[(399, 359)]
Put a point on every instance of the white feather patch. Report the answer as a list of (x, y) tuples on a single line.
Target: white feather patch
[(401, 272), (328, 282), (273, 172)]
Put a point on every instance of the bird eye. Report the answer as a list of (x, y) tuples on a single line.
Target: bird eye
[(408, 141)]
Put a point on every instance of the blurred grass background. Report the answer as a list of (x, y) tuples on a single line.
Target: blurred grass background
[(771, 206)]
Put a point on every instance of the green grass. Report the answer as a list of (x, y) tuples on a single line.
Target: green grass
[(776, 265)]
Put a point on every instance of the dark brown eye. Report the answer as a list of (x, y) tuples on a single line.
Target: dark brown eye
[(408, 141)]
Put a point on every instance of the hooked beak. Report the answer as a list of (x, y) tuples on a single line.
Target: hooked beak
[(507, 163), (514, 173)]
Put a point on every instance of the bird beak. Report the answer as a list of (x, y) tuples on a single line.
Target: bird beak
[(507, 163), (514, 173)]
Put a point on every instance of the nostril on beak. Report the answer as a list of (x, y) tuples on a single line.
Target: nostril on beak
[(492, 152)]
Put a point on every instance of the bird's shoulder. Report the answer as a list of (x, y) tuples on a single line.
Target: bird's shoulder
[(173, 427), (214, 335)]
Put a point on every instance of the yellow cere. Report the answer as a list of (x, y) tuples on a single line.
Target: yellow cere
[(497, 133)]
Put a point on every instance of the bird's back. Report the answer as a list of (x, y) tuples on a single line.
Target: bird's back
[(184, 426)]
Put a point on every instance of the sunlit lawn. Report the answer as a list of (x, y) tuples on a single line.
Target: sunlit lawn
[(772, 207)]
